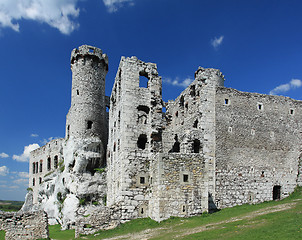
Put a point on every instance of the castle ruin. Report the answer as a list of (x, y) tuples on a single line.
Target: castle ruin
[(132, 155)]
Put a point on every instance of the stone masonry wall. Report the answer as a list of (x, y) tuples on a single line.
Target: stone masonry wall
[(257, 146), (22, 226), (44, 161), (178, 185)]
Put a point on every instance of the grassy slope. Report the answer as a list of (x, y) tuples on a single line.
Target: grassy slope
[(285, 224)]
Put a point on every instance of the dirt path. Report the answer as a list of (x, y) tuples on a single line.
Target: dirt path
[(150, 233)]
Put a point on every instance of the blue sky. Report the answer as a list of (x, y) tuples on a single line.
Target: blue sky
[(256, 44)]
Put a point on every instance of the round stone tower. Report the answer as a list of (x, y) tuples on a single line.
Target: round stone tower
[(87, 115)]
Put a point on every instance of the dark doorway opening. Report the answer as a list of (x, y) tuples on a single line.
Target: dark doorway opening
[(276, 192)]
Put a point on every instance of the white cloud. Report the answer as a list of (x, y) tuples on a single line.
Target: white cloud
[(3, 155), (24, 157), (56, 13), (177, 82), (294, 83), (44, 141), (114, 5), (216, 42), (4, 171), (20, 181), (34, 135), (23, 175)]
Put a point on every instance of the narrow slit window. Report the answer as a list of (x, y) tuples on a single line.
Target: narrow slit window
[(226, 101), (41, 166), (34, 181), (49, 164)]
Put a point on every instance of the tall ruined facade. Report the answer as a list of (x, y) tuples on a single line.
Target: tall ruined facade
[(213, 147)]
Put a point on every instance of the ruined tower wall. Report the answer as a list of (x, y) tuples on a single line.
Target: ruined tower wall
[(43, 161), (135, 114), (257, 146), (87, 114)]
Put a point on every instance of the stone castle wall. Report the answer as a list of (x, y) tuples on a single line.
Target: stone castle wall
[(257, 146), (22, 226)]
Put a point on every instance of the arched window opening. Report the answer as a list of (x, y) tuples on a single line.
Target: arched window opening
[(55, 161), (176, 145), (34, 168), (143, 108), (141, 142), (37, 165), (196, 146), (143, 79), (41, 166), (48, 164)]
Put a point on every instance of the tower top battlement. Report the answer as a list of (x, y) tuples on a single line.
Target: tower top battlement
[(86, 50)]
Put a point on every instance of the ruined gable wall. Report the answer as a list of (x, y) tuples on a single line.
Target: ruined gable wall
[(257, 146), (22, 226), (135, 116), (47, 157)]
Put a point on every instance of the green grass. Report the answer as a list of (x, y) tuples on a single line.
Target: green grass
[(276, 225), (10, 206), (2, 234), (56, 233)]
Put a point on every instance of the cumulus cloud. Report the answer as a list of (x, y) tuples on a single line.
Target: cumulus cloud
[(216, 42), (34, 135), (3, 155), (177, 82), (24, 157), (4, 171), (294, 83), (56, 13), (44, 141), (114, 5), (20, 181)]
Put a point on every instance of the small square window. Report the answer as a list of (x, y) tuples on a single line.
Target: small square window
[(142, 180), (226, 101), (185, 178)]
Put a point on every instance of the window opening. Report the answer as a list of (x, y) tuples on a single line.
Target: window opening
[(142, 211), (164, 109), (143, 79), (142, 180), (34, 182), (107, 109), (183, 208), (114, 147), (192, 92), (185, 178), (181, 101), (143, 108), (276, 192), (34, 168), (40, 180), (186, 105), (48, 164), (37, 167), (260, 106), (195, 124), (55, 161), (91, 50), (226, 101), (142, 140), (176, 114), (196, 146), (176, 145), (41, 166), (78, 93), (68, 127), (89, 124), (291, 111)]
